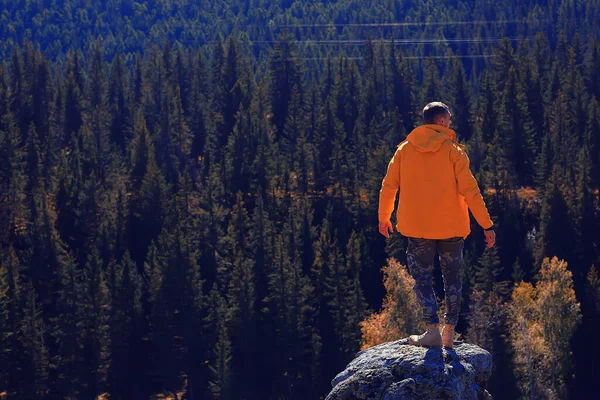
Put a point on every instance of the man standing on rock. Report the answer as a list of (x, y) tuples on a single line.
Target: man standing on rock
[(437, 189)]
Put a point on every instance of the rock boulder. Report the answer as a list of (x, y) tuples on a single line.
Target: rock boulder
[(397, 370)]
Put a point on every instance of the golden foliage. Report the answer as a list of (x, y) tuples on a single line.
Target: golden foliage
[(542, 320), (525, 193), (400, 313)]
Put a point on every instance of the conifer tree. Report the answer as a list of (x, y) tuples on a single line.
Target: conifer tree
[(554, 227), (66, 331), (324, 247), (94, 335), (592, 75), (75, 103), (150, 202), (236, 84), (534, 98), (330, 131), (488, 111), (584, 219), (125, 322), (402, 88), (221, 384), (514, 127), (198, 104), (593, 142), (11, 315), (119, 100), (237, 280), (238, 154), (356, 308), (34, 350), (504, 60), (14, 214), (212, 220), (431, 82), (460, 100), (284, 72)]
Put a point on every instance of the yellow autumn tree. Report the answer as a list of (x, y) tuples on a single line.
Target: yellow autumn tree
[(401, 312), (527, 339), (542, 320)]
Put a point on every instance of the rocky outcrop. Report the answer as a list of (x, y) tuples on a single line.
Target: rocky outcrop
[(397, 370)]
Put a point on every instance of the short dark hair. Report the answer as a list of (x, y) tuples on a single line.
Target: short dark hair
[(433, 110)]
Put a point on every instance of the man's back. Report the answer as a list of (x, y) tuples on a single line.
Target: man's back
[(432, 172)]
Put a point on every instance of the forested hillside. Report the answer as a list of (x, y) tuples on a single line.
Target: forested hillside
[(189, 190), (129, 26)]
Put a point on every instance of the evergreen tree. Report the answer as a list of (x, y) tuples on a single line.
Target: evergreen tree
[(237, 82), (532, 86), (13, 181), (198, 104), (356, 309), (431, 82), (514, 127), (125, 322), (593, 143), (284, 72), (554, 227), (504, 62), (94, 330), (329, 131), (66, 333), (592, 76), (75, 103), (460, 100), (238, 161), (119, 100), (150, 202), (320, 271), (402, 89), (34, 351), (12, 372), (488, 110), (236, 278), (220, 385)]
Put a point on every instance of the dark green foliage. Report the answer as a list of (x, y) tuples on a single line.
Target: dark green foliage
[(185, 213)]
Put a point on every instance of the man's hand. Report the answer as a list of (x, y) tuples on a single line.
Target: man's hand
[(385, 228), (490, 238)]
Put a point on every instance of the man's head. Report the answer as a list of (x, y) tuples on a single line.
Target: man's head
[(437, 113)]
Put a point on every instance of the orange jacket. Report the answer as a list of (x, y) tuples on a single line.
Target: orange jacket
[(436, 186)]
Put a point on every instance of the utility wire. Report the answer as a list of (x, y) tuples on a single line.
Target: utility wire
[(402, 24)]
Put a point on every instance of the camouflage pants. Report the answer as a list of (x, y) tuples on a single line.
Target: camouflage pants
[(420, 255)]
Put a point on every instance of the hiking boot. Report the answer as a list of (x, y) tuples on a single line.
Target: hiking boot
[(448, 336), (431, 337)]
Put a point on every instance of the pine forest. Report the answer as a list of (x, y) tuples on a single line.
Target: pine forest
[(189, 191)]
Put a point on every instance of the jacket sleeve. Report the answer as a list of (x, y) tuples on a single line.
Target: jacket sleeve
[(468, 188), (389, 188)]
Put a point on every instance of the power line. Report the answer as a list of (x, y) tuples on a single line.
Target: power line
[(362, 42), (406, 24), (406, 57)]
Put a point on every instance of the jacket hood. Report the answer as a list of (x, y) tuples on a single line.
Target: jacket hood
[(429, 138)]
